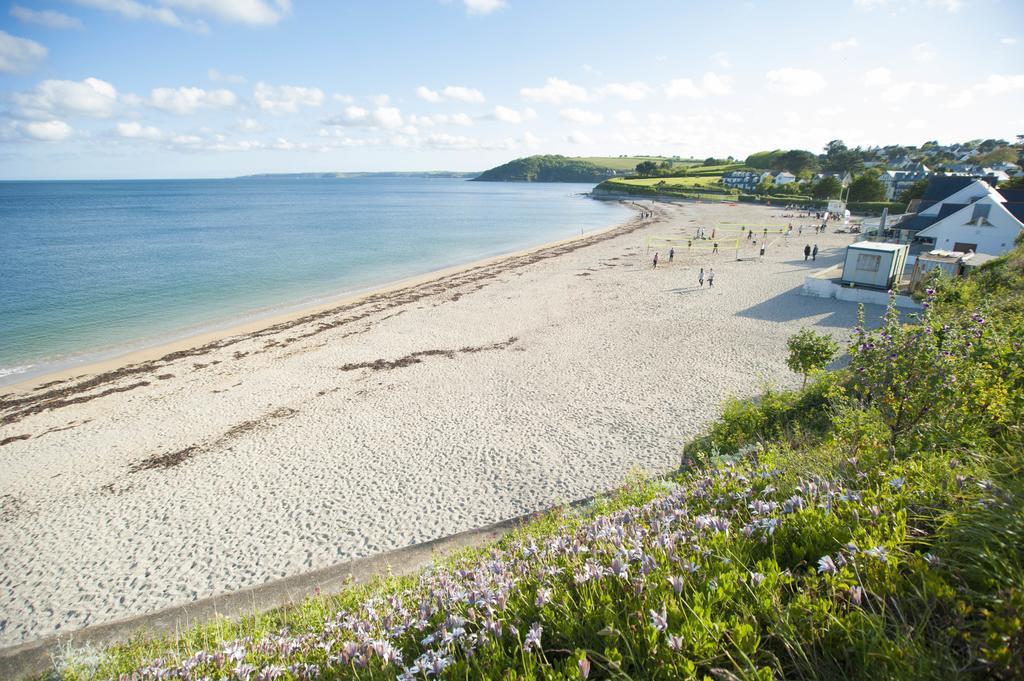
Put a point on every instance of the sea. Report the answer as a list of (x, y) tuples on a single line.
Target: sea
[(93, 269)]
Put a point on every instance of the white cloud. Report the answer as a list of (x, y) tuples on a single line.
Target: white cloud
[(461, 119), (463, 94), (826, 111), (555, 91), (683, 87), (626, 117), (217, 76), (721, 59), (796, 82), (998, 84), (19, 55), (286, 98), (428, 95), (48, 131), (345, 99), (459, 93), (877, 77), (483, 6), (715, 84), (89, 97), (632, 91), (577, 137), (508, 115), (922, 52), (963, 99), (47, 17), (187, 100), (131, 9), (531, 141), (380, 100), (387, 117), (899, 91), (848, 44), (251, 12), (711, 84), (250, 125), (1008, 41), (135, 130), (581, 116)]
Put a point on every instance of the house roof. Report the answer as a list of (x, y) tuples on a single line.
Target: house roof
[(877, 246), (942, 186), (996, 204), (919, 222)]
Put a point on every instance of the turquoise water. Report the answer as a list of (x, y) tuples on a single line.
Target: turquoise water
[(91, 269)]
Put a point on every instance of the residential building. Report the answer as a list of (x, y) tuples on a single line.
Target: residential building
[(898, 181), (984, 225), (783, 177), (743, 180)]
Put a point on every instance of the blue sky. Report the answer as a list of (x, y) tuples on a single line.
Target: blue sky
[(213, 88)]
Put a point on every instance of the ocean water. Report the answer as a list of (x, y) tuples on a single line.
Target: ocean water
[(92, 269)]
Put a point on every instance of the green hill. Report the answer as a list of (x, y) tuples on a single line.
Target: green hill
[(546, 169), (554, 168)]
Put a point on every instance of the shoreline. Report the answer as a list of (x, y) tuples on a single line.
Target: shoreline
[(399, 418), (281, 316)]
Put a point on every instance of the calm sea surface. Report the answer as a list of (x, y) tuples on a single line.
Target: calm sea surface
[(91, 269)]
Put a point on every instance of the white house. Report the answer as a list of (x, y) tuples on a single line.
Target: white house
[(874, 264), (784, 177), (983, 226)]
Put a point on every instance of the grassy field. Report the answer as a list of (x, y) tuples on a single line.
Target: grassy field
[(630, 162)]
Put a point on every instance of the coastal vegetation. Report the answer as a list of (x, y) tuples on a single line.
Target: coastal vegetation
[(555, 168), (865, 526)]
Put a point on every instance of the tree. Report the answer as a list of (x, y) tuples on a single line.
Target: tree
[(827, 188), (867, 187), (840, 158), (914, 191), (647, 168), (1013, 183), (810, 352), (798, 162)]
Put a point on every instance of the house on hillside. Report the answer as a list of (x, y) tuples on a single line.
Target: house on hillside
[(985, 225), (898, 181), (783, 177), (742, 180), (845, 178), (944, 195)]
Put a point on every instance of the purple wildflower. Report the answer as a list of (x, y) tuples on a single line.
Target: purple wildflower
[(675, 642), (659, 619), (677, 584), (584, 667), (826, 565), (532, 640)]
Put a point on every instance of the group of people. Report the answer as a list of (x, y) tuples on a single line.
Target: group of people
[(811, 253), (700, 277)]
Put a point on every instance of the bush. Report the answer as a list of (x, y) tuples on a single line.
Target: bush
[(810, 352)]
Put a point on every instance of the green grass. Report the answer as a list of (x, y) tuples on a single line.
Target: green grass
[(629, 163), (870, 526)]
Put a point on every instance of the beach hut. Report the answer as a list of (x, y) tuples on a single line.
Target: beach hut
[(874, 265)]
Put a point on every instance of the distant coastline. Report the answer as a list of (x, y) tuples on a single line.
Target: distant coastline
[(445, 174)]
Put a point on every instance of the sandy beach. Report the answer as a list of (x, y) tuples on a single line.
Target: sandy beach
[(415, 412)]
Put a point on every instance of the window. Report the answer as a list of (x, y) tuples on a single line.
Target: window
[(980, 213), (961, 247), (868, 263)]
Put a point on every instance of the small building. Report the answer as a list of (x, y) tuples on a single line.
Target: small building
[(983, 226), (782, 177), (874, 264)]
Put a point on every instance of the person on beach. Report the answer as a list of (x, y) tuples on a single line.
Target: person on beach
[(750, 235), (800, 230), (689, 244), (715, 249), (700, 277), (762, 251), (655, 258), (814, 252), (711, 277), (807, 251), (765, 232), (671, 254)]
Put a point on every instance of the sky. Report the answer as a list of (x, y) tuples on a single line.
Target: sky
[(125, 89)]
